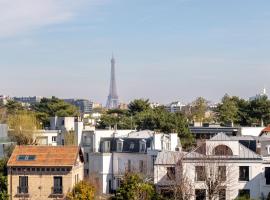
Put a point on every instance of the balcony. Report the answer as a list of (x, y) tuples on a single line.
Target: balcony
[(22, 191), (57, 192)]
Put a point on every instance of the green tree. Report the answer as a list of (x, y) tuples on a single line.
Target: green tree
[(259, 111), (82, 191), (198, 109), (227, 110), (70, 138), (50, 107), (22, 127), (3, 179), (134, 187), (13, 107), (138, 105)]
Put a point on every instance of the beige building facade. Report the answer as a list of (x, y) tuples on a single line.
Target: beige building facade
[(40, 172)]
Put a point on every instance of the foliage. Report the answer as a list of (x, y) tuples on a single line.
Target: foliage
[(22, 127), (49, 107), (227, 110), (13, 107), (82, 191), (198, 109), (3, 179), (138, 105), (133, 187), (69, 138)]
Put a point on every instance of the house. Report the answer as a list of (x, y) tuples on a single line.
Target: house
[(44, 172), (220, 167), (109, 155)]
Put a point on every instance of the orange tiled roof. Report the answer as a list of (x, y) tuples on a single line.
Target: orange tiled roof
[(267, 129), (45, 155)]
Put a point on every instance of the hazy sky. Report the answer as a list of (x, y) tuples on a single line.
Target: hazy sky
[(165, 50)]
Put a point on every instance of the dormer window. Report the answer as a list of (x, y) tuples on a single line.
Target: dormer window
[(119, 147), (268, 149), (131, 146), (142, 146)]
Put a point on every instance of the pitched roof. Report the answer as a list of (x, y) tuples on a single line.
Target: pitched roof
[(168, 157), (45, 155), (220, 137)]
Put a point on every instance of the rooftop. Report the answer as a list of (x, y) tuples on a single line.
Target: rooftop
[(45, 156)]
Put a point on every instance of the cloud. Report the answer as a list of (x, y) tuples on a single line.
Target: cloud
[(21, 16)]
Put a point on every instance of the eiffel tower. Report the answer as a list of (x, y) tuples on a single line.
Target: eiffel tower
[(113, 101)]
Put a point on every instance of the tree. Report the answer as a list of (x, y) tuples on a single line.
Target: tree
[(259, 111), (82, 191), (198, 109), (134, 187), (138, 105), (70, 138), (3, 179), (13, 107), (227, 110), (53, 107), (22, 127)]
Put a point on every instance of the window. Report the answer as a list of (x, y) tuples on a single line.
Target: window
[(222, 173), (54, 138), (106, 146), (119, 145), (129, 166), (26, 157), (23, 185), (131, 146), (199, 173), (222, 150), (154, 157), (244, 193), (171, 173), (118, 182), (267, 175), (268, 149), (200, 194), (86, 155), (141, 166), (57, 185), (142, 146), (243, 173), (222, 194)]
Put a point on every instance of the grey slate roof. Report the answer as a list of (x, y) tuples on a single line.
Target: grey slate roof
[(220, 137), (168, 157)]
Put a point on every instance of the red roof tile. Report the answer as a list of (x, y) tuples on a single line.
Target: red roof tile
[(45, 155)]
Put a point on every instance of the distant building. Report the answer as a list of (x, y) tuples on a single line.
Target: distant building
[(175, 107), (4, 99), (28, 100), (47, 137), (258, 96), (4, 140), (85, 106), (113, 100), (154, 105), (44, 172), (62, 123)]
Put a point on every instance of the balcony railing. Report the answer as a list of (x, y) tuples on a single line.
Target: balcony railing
[(22, 190), (57, 190)]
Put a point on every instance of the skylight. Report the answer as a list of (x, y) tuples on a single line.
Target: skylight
[(26, 157)]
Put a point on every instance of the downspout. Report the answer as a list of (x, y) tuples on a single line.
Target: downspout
[(10, 183)]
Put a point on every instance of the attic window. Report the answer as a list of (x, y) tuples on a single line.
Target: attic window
[(132, 145), (26, 157), (119, 146), (142, 146)]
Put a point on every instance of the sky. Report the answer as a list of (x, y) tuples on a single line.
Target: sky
[(164, 50)]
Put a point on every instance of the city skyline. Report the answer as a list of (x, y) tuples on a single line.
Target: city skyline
[(165, 51)]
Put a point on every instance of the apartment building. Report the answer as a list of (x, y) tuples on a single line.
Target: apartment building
[(109, 154), (223, 162), (44, 172)]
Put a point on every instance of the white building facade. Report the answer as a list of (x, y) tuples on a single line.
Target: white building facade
[(243, 172)]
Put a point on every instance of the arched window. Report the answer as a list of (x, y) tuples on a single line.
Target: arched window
[(222, 150)]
